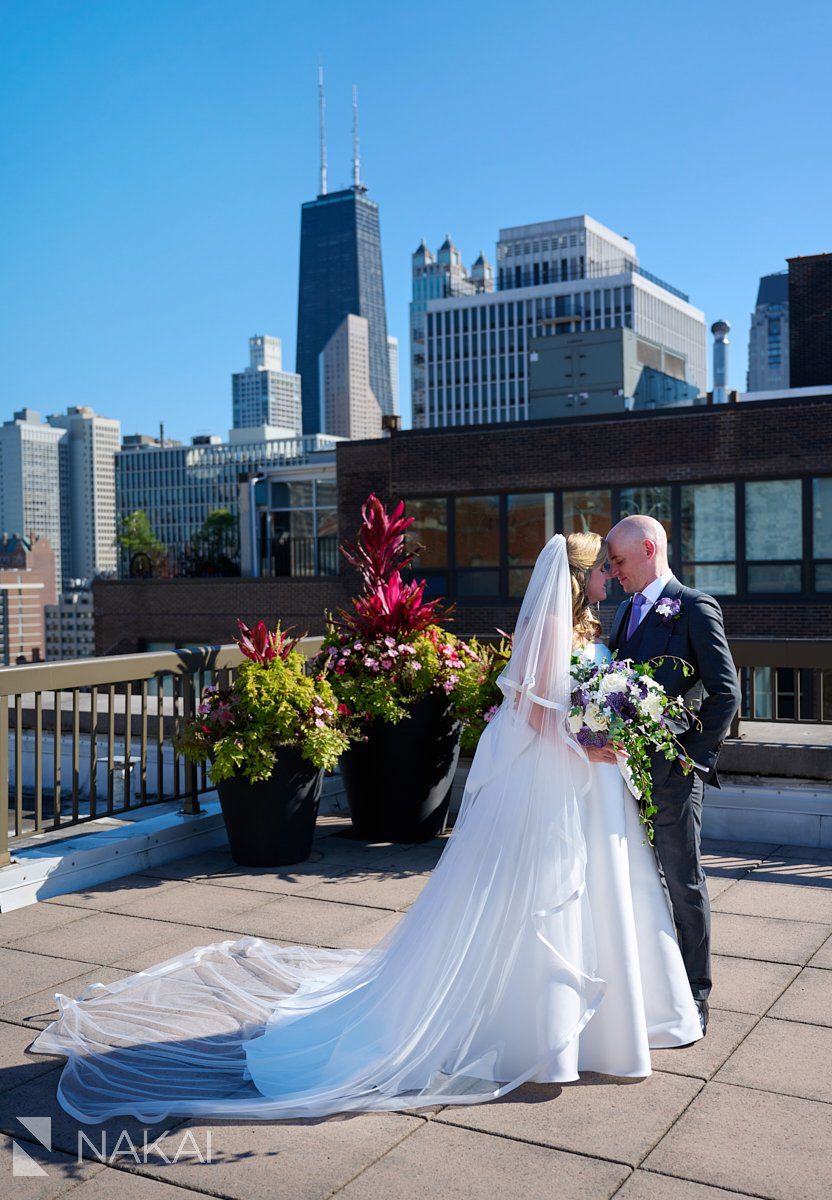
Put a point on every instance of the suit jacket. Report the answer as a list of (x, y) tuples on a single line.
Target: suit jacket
[(712, 691)]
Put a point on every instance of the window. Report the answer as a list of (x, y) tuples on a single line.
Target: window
[(531, 522), (587, 512), (477, 545), (822, 533), (773, 535), (430, 527), (651, 502), (709, 538)]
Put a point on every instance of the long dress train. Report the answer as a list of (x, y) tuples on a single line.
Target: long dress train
[(540, 945)]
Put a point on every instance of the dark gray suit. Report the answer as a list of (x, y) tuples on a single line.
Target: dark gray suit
[(712, 692)]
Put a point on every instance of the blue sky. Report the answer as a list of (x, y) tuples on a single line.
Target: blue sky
[(155, 154)]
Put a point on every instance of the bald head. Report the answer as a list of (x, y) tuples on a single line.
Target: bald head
[(637, 550)]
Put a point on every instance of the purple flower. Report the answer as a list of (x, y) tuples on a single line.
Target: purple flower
[(669, 609), (587, 737), (619, 704)]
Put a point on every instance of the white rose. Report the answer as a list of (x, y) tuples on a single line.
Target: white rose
[(652, 706), (575, 721), (615, 682), (595, 719)]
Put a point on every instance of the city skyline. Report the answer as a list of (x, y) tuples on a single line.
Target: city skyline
[(133, 213)]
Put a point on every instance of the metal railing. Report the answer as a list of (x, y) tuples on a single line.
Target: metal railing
[(88, 738), (95, 737), (785, 679)]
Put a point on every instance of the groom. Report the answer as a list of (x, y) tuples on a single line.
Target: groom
[(665, 618)]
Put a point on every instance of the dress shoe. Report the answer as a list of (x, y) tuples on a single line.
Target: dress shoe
[(702, 1009)]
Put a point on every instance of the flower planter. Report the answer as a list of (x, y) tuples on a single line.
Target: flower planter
[(398, 784), (272, 823)]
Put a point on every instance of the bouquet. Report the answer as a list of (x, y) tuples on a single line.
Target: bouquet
[(619, 703)]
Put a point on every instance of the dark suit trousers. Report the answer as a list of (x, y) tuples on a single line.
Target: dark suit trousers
[(678, 825)]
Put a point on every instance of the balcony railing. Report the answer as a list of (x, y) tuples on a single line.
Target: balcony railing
[(95, 737), (89, 738)]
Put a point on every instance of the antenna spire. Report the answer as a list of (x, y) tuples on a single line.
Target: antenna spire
[(322, 118), (356, 160)]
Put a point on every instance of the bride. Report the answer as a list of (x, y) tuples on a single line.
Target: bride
[(541, 946)]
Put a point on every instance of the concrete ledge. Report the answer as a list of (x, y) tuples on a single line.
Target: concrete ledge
[(56, 863)]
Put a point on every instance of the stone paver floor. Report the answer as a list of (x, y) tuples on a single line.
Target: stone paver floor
[(747, 1111)]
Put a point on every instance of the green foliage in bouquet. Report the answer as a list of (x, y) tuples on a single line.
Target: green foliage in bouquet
[(272, 703)]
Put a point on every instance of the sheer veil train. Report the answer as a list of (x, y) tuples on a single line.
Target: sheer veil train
[(477, 989)]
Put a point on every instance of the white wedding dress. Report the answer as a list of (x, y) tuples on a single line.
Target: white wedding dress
[(541, 946)]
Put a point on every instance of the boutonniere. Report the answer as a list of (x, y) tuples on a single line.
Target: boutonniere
[(669, 609)]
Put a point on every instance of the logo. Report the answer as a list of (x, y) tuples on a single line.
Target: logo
[(107, 1151), (22, 1162)]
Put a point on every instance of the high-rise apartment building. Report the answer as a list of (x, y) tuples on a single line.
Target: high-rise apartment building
[(91, 443), (810, 321), (554, 278), (265, 394), (768, 339), (349, 408), (34, 484), (340, 273)]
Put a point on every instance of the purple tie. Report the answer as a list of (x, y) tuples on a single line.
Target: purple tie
[(635, 613)]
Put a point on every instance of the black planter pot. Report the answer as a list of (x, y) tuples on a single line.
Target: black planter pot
[(398, 783), (272, 824)]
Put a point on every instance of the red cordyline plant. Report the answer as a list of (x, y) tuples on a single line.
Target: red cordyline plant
[(262, 645), (386, 605)]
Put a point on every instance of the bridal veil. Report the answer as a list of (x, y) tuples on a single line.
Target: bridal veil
[(478, 988)]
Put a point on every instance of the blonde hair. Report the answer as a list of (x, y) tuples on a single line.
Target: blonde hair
[(585, 552)]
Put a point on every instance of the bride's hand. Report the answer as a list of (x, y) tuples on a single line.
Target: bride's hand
[(604, 754)]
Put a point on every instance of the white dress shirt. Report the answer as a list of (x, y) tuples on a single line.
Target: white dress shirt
[(652, 592)]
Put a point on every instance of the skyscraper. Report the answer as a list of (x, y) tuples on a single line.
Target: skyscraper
[(349, 408), (92, 443), (436, 278), (768, 340), (393, 355), (340, 273), (34, 484), (810, 321), (265, 394)]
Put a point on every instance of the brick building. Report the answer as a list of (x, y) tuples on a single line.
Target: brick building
[(745, 492), (27, 585)]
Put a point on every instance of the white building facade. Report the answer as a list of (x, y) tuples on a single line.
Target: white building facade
[(92, 443), (265, 394), (555, 277), (768, 339), (436, 277), (34, 479), (349, 408)]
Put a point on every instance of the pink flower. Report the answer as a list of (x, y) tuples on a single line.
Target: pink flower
[(319, 722), (389, 641), (340, 669), (489, 712), (369, 661), (387, 663), (358, 646)]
